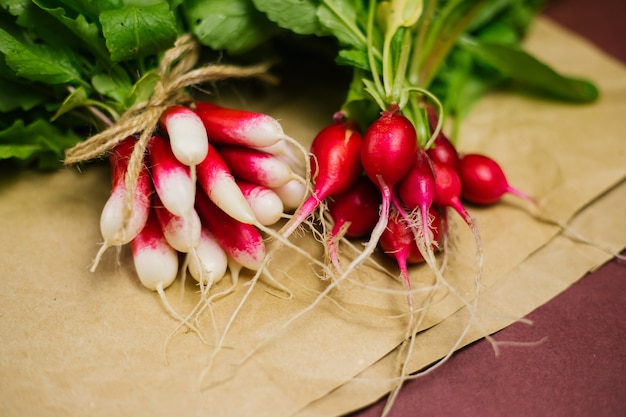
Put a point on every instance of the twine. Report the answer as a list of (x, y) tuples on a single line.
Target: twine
[(177, 72)]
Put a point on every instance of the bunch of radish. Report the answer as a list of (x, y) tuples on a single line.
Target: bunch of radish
[(212, 180), (383, 187)]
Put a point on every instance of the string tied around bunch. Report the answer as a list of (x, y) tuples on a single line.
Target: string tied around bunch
[(177, 71)]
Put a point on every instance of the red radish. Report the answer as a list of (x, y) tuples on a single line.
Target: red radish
[(210, 262), (219, 185), (187, 134), (256, 166), (265, 204), (354, 212), (389, 148), (292, 194), (398, 241), (388, 152), (156, 262), (442, 150), (239, 127), (172, 179), (117, 225), (357, 208), (181, 232), (483, 181), (417, 189), (448, 190), (447, 194), (335, 165), (243, 242)]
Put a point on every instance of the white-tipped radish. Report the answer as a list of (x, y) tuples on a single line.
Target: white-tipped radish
[(265, 204), (120, 224), (292, 194), (181, 232), (219, 185), (188, 137), (256, 166), (172, 179), (289, 154), (156, 262), (239, 127), (243, 242), (210, 262)]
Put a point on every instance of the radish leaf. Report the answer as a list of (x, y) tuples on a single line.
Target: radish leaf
[(233, 25), (134, 32), (39, 62), (524, 68), (39, 142), (342, 19), (299, 16), (87, 32)]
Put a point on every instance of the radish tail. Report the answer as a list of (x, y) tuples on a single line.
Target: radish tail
[(305, 210)]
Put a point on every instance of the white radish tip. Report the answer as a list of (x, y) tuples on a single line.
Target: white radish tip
[(267, 206), (183, 232), (112, 226), (292, 194), (156, 270), (208, 262), (188, 137), (177, 192)]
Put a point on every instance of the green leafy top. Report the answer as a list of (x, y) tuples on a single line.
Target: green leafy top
[(448, 52), (69, 68)]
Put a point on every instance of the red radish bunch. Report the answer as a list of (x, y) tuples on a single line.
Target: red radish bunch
[(212, 180), (385, 188)]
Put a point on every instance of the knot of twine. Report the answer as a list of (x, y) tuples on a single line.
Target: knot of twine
[(176, 72)]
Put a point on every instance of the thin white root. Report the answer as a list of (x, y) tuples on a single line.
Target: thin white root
[(220, 343), (285, 241), (105, 245), (577, 236), (369, 249)]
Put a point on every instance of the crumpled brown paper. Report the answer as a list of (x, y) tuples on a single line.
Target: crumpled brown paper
[(76, 343)]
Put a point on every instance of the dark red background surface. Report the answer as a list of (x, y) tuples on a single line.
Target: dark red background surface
[(580, 370)]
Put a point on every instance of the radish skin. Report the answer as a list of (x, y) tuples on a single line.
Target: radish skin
[(442, 150), (256, 166), (172, 179), (335, 166), (354, 214), (218, 183), (116, 225), (357, 207), (210, 263), (483, 181), (388, 152), (239, 127), (188, 137), (448, 190), (156, 262), (265, 204), (399, 242), (287, 152), (291, 194), (181, 232), (389, 147), (241, 241), (417, 192)]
